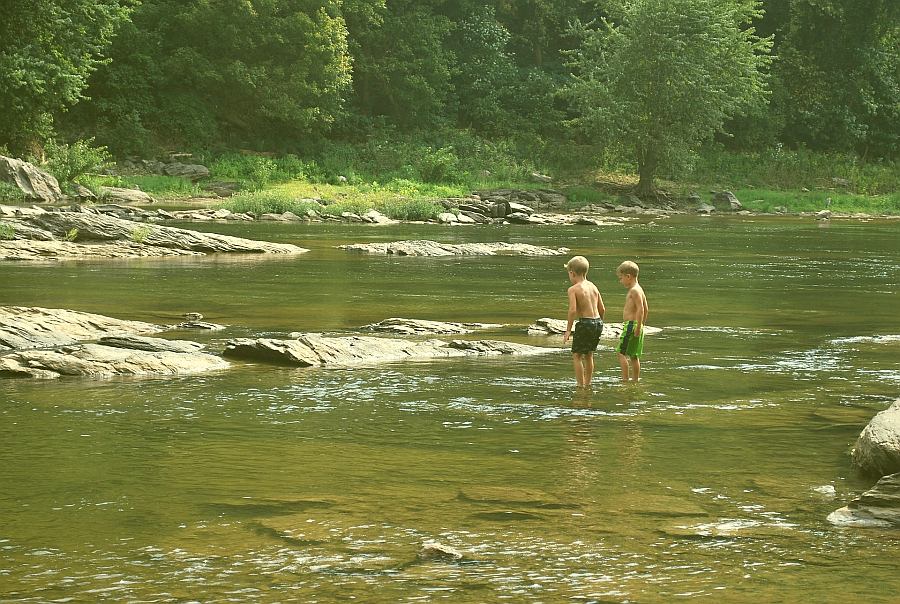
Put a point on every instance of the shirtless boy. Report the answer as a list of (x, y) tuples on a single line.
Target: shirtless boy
[(634, 316), (586, 305)]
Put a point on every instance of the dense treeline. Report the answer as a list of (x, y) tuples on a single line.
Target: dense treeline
[(281, 75)]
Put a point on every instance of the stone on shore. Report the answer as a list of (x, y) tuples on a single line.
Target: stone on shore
[(877, 450), (34, 183), (434, 248), (879, 507), (550, 327), (310, 350), (419, 327), (24, 327)]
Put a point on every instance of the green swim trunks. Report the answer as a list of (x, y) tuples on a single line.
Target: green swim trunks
[(629, 344)]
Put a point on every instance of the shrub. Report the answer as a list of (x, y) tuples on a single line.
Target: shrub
[(10, 192), (67, 162), (7, 232)]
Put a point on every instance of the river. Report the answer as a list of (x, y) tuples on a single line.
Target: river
[(710, 480)]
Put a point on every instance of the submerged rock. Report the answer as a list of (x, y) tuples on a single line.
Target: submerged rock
[(548, 327), (317, 350), (27, 327), (425, 327), (877, 450), (879, 507), (434, 248), (434, 550)]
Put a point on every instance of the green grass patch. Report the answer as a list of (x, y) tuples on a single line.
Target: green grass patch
[(7, 232), (766, 200), (173, 187)]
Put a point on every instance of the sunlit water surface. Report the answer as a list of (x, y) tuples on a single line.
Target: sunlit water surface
[(711, 480)]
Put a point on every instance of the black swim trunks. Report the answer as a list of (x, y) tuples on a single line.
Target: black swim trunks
[(587, 335)]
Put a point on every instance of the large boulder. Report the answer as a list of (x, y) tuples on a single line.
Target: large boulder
[(877, 450), (26, 327), (879, 507), (317, 350), (433, 248), (192, 172), (35, 184), (126, 196)]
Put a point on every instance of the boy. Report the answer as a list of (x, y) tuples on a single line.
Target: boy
[(586, 305), (634, 316)]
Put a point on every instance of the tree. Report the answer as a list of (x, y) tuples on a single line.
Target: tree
[(48, 49), (661, 76)]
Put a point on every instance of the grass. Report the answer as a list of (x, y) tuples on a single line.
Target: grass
[(7, 232), (173, 187), (766, 200)]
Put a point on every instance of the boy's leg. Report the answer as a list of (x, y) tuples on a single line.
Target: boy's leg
[(579, 368), (636, 368), (588, 368), (623, 363)]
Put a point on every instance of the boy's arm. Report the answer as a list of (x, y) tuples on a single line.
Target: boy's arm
[(600, 306), (573, 312)]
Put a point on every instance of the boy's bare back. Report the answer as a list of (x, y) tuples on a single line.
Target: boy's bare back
[(587, 299)]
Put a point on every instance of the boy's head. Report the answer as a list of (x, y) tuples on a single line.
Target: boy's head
[(578, 265), (628, 269)]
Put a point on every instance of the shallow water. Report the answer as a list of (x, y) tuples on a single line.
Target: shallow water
[(260, 483)]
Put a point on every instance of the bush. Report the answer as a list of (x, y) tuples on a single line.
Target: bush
[(10, 192), (68, 162), (7, 232)]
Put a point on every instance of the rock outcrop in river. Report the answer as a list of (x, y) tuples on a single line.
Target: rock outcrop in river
[(313, 350), (879, 507), (433, 248), (39, 234), (877, 450), (548, 327), (27, 327), (422, 327)]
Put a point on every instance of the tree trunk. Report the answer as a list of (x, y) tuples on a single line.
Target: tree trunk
[(647, 163)]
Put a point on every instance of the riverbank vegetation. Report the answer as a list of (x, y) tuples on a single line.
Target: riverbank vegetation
[(391, 105)]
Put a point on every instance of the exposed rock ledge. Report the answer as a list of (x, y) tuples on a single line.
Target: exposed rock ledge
[(42, 234), (879, 507), (433, 248), (549, 327), (23, 327), (311, 350), (877, 450), (419, 327)]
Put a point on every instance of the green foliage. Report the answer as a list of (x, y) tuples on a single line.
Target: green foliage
[(68, 162), (767, 200), (7, 232), (45, 60), (154, 184), (707, 65), (139, 234), (10, 192), (71, 234), (270, 202), (412, 209)]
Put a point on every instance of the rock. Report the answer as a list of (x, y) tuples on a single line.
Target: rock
[(192, 172), (317, 350), (58, 250), (34, 183), (192, 316), (780, 210), (877, 450), (518, 207), (375, 217), (96, 360), (538, 177), (107, 228), (447, 218), (706, 209), (151, 344), (199, 325), (840, 182), (421, 327), (82, 192), (432, 550), (463, 219), (547, 326), (120, 195), (27, 327), (823, 214), (728, 199), (433, 248), (879, 507)]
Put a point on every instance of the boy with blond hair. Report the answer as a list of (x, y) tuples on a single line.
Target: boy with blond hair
[(585, 305), (634, 316)]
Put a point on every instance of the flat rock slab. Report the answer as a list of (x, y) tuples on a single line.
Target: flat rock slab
[(419, 327), (99, 361), (433, 248), (23, 327), (67, 250), (879, 507), (550, 327), (313, 350), (877, 450), (99, 227)]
